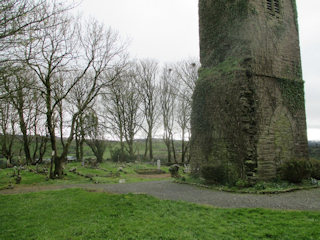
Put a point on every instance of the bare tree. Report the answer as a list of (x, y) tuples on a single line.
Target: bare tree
[(186, 72), (28, 106), (183, 121), (20, 16), (113, 109), (186, 75), (95, 135), (123, 109), (18, 99), (133, 115), (25, 99), (168, 102), (46, 55), (18, 20), (146, 72), (76, 98), (56, 60), (79, 137)]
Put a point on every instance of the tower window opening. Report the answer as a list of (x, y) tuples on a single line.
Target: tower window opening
[(273, 7), (269, 5), (276, 6)]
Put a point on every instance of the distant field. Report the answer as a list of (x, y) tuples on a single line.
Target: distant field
[(314, 150), (159, 149), (77, 214)]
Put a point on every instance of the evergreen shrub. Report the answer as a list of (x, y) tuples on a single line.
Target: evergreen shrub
[(120, 156), (295, 170), (315, 169), (214, 173), (3, 163)]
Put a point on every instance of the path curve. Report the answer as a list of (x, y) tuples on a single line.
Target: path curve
[(298, 200)]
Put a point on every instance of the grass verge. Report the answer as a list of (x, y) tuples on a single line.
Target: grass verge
[(77, 214), (258, 188)]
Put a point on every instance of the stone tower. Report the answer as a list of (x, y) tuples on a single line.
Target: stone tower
[(248, 106)]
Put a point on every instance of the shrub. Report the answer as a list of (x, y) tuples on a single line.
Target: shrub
[(174, 170), (117, 155), (260, 186), (3, 163), (315, 169), (295, 170), (242, 183), (214, 173)]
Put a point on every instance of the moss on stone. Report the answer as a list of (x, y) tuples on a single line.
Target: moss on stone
[(220, 21), (225, 67), (223, 116), (293, 94)]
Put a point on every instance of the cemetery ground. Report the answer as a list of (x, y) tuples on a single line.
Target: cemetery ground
[(89, 203), (93, 208), (75, 173)]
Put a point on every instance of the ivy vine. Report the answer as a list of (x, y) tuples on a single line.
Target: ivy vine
[(293, 94)]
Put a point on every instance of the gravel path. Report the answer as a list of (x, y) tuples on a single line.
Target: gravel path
[(299, 200)]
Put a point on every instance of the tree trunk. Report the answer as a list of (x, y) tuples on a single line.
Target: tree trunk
[(183, 150), (99, 158), (77, 142), (81, 138), (81, 150), (131, 152), (58, 166), (169, 150), (146, 148), (53, 144), (99, 154), (121, 143), (150, 145), (7, 147), (77, 148), (35, 150), (174, 151), (24, 137), (183, 153), (42, 148)]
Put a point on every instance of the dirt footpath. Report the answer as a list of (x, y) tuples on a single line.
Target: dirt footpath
[(299, 200)]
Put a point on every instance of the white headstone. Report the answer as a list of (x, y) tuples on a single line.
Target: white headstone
[(158, 164)]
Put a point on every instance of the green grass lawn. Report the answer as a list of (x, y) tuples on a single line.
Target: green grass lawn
[(79, 214), (29, 178)]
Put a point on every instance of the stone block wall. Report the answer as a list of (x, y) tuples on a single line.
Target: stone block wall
[(248, 105)]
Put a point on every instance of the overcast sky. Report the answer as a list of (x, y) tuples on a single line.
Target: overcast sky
[(167, 30)]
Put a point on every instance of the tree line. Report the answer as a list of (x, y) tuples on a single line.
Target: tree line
[(64, 78)]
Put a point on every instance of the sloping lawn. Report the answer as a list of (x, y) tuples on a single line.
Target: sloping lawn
[(79, 214)]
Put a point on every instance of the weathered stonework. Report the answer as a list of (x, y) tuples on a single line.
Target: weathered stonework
[(248, 105)]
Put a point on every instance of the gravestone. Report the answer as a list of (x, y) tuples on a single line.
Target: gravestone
[(158, 164)]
